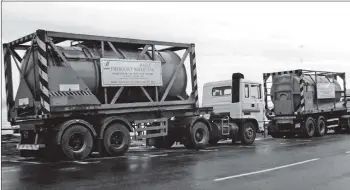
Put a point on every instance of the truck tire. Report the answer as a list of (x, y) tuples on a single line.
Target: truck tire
[(309, 127), (116, 140), (320, 129), (248, 133), (199, 136), (76, 142)]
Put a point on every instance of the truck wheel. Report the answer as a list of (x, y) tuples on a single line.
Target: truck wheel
[(309, 127), (76, 142), (248, 133), (320, 129), (116, 139), (199, 136)]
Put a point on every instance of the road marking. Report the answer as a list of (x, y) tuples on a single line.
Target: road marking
[(81, 162), (266, 170), (348, 152)]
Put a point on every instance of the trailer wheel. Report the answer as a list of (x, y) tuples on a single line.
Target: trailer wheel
[(199, 136), (76, 142), (116, 140), (248, 133), (309, 127), (320, 129)]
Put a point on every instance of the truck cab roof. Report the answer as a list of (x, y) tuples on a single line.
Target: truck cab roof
[(226, 83)]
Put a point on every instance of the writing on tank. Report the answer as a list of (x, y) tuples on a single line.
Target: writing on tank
[(121, 72)]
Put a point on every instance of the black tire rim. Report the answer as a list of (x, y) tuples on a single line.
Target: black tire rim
[(249, 132), (117, 139), (199, 135), (76, 142), (322, 127)]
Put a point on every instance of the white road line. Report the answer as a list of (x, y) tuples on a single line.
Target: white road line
[(266, 170), (348, 152)]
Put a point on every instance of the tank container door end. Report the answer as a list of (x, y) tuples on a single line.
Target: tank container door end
[(66, 88)]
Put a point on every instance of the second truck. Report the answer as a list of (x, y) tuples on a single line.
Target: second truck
[(88, 96), (306, 103)]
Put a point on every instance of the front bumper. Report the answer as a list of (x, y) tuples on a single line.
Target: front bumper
[(284, 125), (30, 146)]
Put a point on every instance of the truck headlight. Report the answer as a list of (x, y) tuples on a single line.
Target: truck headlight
[(206, 116), (297, 125)]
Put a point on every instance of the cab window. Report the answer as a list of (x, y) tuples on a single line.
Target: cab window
[(221, 91), (255, 91), (246, 91)]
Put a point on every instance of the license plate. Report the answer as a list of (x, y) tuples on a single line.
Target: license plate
[(29, 146), (285, 121)]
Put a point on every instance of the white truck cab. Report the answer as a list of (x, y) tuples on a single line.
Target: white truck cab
[(237, 100)]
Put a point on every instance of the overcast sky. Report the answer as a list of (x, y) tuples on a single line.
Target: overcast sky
[(251, 38)]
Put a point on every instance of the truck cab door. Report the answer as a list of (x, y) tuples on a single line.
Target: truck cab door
[(252, 104), (256, 104)]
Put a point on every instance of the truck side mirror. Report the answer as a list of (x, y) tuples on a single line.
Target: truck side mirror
[(236, 78)]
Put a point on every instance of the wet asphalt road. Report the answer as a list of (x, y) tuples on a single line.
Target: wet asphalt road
[(318, 163)]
